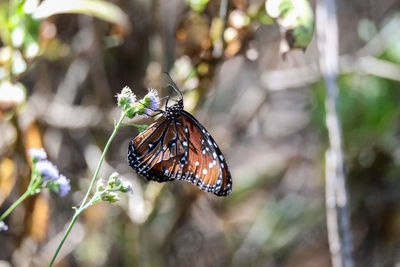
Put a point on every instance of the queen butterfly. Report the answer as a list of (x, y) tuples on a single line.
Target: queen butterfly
[(177, 146)]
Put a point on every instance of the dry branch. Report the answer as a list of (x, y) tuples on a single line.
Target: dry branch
[(338, 219)]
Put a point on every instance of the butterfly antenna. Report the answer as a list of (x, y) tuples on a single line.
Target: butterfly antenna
[(173, 85)]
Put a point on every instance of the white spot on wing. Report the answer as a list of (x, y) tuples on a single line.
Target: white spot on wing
[(204, 171), (197, 163), (210, 165)]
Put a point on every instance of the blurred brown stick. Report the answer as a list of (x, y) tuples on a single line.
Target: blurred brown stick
[(338, 219)]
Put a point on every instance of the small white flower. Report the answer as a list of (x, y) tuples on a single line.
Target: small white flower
[(126, 98)]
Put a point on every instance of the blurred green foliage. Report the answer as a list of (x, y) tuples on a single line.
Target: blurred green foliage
[(197, 5), (368, 105), (19, 32), (296, 18), (22, 43)]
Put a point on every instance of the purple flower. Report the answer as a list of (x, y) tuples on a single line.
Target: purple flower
[(153, 95), (37, 154), (47, 169), (130, 189), (152, 101), (63, 183)]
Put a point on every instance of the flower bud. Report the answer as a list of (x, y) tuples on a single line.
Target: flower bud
[(109, 197), (126, 187), (100, 185), (114, 180)]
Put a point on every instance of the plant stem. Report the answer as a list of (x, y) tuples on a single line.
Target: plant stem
[(33, 184), (71, 224), (83, 205), (116, 128), (15, 204), (337, 199)]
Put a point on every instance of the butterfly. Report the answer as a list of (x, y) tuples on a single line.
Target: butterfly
[(177, 147)]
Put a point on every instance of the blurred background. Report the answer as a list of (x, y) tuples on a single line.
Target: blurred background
[(61, 67)]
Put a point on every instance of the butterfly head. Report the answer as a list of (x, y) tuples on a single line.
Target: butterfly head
[(173, 111), (179, 103)]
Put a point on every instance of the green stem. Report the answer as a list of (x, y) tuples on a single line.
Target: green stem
[(84, 206), (116, 128), (15, 204), (71, 224), (34, 176), (132, 124), (33, 184)]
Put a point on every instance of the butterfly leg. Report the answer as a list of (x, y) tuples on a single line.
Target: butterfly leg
[(166, 102)]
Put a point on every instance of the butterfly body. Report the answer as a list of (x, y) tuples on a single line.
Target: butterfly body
[(177, 147)]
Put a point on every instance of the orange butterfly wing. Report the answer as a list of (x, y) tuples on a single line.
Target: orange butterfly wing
[(180, 148)]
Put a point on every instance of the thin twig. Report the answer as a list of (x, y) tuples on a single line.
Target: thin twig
[(338, 219), (219, 44)]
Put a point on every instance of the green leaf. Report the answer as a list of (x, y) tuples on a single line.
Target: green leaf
[(197, 5), (296, 18), (97, 8)]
